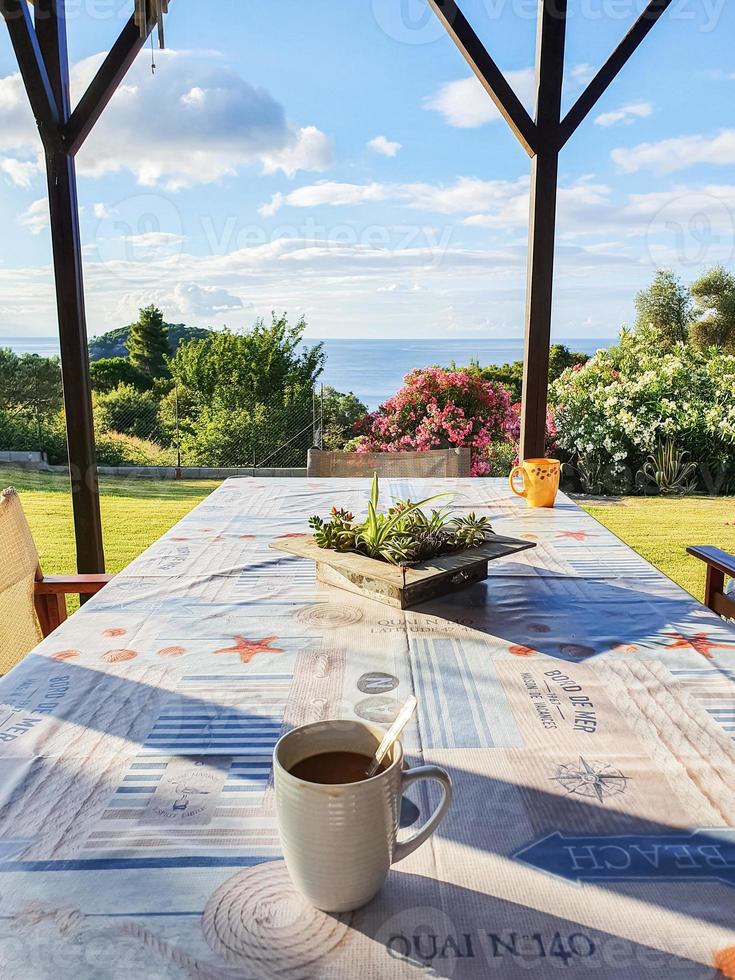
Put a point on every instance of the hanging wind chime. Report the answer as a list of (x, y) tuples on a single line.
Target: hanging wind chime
[(147, 11)]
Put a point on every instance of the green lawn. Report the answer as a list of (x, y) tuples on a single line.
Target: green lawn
[(660, 529), (136, 513)]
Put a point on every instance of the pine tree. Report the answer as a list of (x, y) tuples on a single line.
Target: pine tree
[(147, 343)]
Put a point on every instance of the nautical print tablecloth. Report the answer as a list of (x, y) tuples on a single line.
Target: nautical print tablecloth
[(584, 705)]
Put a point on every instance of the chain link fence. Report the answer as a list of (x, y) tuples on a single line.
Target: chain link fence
[(161, 426)]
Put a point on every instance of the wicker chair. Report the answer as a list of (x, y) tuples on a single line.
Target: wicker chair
[(719, 566), (434, 463), (31, 606)]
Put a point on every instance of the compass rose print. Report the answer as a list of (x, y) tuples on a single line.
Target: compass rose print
[(594, 780)]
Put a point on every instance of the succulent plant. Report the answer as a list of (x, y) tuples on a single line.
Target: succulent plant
[(404, 535), (669, 469)]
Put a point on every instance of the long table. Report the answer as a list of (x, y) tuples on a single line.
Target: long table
[(583, 704)]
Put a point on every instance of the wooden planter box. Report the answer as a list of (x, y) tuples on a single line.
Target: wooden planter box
[(393, 585)]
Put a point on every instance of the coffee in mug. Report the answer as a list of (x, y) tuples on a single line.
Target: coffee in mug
[(339, 838), (333, 768)]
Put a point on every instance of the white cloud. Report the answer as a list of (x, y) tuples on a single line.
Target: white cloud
[(384, 146), (305, 149), (274, 205), (35, 217), (324, 192), (626, 114), (194, 122), (465, 196), (580, 75), (203, 301), (668, 156), (465, 103), (19, 172), (102, 212), (155, 241)]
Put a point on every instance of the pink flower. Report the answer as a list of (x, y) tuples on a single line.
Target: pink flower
[(438, 408)]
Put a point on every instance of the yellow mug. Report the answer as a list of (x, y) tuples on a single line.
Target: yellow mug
[(540, 481)]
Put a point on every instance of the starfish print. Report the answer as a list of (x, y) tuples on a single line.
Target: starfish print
[(700, 641), (577, 535), (249, 648)]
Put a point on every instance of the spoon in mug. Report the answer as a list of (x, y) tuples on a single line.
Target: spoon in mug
[(392, 734)]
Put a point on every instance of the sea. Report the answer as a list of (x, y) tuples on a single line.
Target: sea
[(374, 369)]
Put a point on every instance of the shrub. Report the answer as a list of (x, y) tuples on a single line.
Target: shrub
[(224, 438), (46, 433), (438, 409), (127, 410), (342, 412), (501, 457), (619, 408), (117, 449), (511, 375), (111, 372)]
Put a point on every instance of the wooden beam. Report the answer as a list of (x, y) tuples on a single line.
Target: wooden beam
[(32, 68), (105, 83), (67, 255), (50, 25), (487, 72), (617, 60), (551, 37)]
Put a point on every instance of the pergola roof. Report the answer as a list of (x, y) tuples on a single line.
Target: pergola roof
[(40, 47)]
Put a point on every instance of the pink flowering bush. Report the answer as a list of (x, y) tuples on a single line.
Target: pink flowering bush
[(514, 429), (438, 409)]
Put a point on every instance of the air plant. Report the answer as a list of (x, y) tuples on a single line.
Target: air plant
[(404, 535)]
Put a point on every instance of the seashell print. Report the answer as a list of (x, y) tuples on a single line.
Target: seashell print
[(114, 631), (538, 628), (172, 652), (518, 650), (329, 615), (118, 656), (63, 655), (576, 650)]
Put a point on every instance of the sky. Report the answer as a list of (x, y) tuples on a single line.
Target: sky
[(336, 160)]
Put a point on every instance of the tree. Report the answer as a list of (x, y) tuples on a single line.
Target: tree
[(266, 365), (111, 372), (246, 397), (148, 345), (30, 384), (664, 311), (714, 315), (341, 412), (561, 358), (511, 374)]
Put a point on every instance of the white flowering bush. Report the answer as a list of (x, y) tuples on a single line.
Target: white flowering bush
[(614, 411)]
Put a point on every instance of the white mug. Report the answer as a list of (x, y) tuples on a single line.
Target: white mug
[(339, 841)]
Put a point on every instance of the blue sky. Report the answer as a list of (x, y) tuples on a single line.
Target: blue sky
[(336, 160)]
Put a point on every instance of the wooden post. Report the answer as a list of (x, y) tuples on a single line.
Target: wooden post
[(65, 237), (41, 50), (50, 26), (543, 139), (551, 36)]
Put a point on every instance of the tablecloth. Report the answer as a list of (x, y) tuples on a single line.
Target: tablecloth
[(583, 704)]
